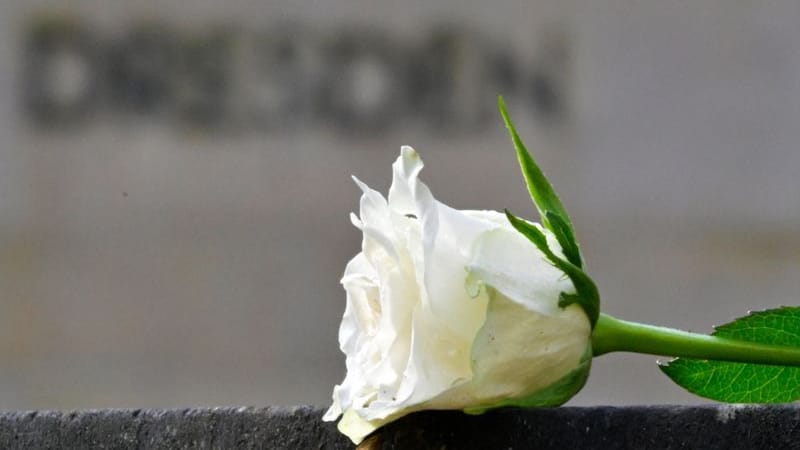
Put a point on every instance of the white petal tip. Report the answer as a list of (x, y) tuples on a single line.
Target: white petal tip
[(361, 185), (408, 164), (331, 415), (408, 152), (356, 221), (356, 428)]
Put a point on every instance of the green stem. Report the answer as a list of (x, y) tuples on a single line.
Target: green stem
[(615, 335)]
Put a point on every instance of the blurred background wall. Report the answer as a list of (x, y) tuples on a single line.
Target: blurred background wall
[(175, 176)]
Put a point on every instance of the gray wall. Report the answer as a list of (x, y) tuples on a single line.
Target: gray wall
[(159, 258)]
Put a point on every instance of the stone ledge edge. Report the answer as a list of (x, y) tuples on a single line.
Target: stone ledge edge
[(301, 427)]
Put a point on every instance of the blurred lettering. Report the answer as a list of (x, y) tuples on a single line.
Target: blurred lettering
[(61, 73), (282, 78)]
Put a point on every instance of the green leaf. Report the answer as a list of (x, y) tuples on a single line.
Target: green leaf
[(554, 218), (744, 382), (542, 192), (566, 237), (586, 294)]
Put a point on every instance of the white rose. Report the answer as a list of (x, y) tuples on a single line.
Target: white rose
[(450, 309)]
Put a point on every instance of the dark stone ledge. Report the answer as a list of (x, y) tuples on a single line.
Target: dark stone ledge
[(638, 427)]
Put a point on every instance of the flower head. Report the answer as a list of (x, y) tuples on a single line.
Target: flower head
[(451, 309)]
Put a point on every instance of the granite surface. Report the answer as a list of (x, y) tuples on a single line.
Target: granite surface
[(638, 427)]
